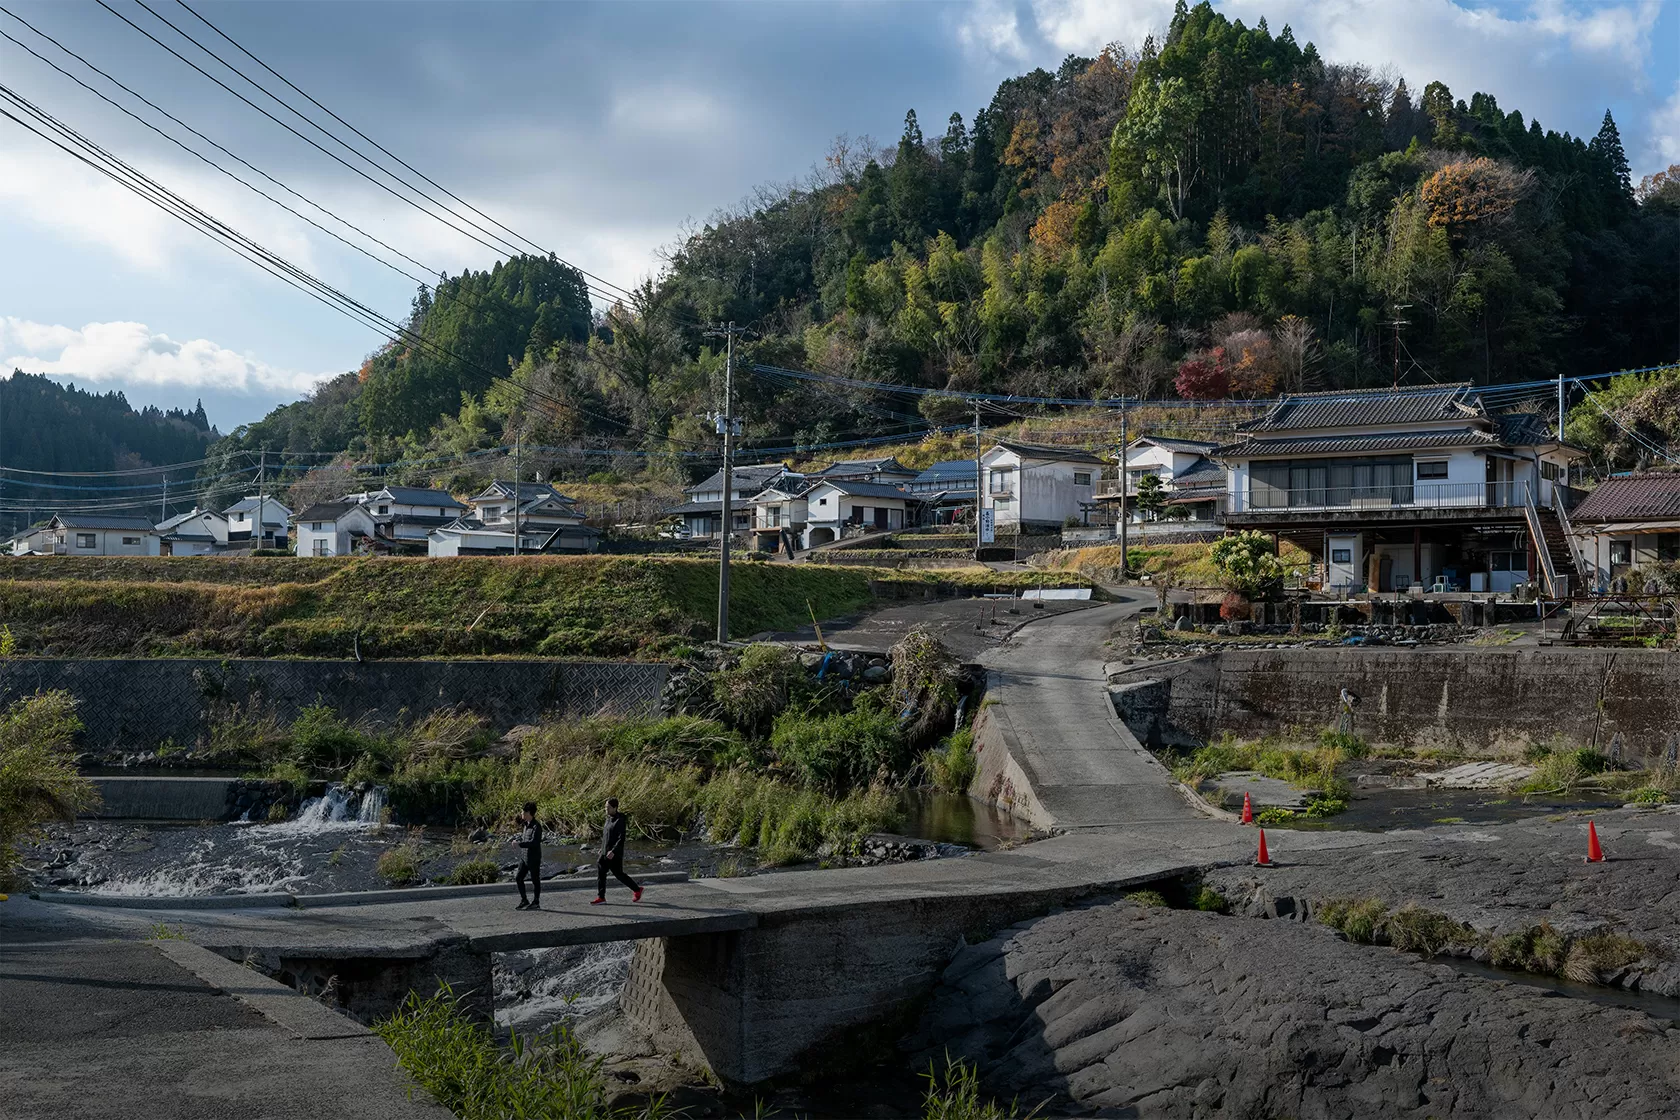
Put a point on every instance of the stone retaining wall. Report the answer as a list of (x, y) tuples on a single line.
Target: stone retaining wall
[(1489, 702), (141, 704)]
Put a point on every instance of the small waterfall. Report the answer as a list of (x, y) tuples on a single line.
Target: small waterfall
[(330, 809), (373, 806)]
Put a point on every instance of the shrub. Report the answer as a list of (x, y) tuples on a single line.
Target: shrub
[(449, 733), (749, 693), (455, 1058), (676, 741), (1246, 562), (1359, 918), (400, 864), (319, 740), (38, 777), (250, 734), (1235, 607), (1210, 900), (952, 766), (789, 823), (1649, 795), (1349, 744), (926, 677), (475, 871), (839, 752)]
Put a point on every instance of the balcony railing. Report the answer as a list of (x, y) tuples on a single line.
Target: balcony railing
[(1416, 495)]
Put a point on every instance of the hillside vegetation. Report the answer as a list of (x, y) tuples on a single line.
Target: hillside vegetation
[(595, 606), (1223, 213)]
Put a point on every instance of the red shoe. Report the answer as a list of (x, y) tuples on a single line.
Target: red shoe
[(597, 902), (637, 897)]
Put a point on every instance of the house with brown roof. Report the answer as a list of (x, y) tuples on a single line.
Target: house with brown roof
[(1630, 522), (1390, 489)]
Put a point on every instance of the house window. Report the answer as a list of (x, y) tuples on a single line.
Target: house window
[(321, 548), (1508, 561), (1550, 470), (1341, 556), (1001, 478), (131, 540), (1082, 478), (318, 526), (1668, 548), (384, 509), (773, 517), (822, 501), (84, 540), (1621, 552), (1434, 469)]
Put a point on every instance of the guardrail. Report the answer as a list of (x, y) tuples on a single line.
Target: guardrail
[(1416, 495)]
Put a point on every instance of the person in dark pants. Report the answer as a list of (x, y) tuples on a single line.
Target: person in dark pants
[(612, 854), (530, 865)]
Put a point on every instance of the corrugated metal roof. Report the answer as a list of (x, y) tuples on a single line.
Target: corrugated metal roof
[(948, 469), (1636, 497), (1357, 408), (103, 521), (324, 511), (1330, 445), (863, 489)]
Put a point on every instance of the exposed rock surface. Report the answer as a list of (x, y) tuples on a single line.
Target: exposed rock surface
[(1123, 1010)]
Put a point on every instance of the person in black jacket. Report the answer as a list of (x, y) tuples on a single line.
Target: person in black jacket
[(612, 854), (530, 865)]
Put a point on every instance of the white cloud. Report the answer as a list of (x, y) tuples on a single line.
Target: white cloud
[(669, 110), (1665, 131), (133, 354), (1086, 26), (993, 27)]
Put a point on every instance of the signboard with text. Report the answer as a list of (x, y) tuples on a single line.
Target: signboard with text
[(988, 526)]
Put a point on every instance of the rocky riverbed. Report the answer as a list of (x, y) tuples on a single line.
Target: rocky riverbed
[(1128, 1010)]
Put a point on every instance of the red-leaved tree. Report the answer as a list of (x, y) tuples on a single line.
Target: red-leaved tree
[(1204, 376)]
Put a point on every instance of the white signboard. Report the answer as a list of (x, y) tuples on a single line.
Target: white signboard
[(988, 526)]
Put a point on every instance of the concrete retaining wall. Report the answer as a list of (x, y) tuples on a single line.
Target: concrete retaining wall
[(165, 799), (998, 777), (1489, 702), (141, 704)]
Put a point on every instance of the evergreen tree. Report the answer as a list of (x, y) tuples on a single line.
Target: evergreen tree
[(1607, 146)]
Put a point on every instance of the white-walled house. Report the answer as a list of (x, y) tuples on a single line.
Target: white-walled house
[(840, 508), (405, 514), (1390, 489), (1629, 523), (198, 532), (885, 469), (779, 516), (945, 491), (540, 507), (257, 521), (1029, 486), (467, 537), (1193, 484), (701, 515), (333, 528), (99, 534)]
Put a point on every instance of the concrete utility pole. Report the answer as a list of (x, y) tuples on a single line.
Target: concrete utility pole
[(262, 500), (728, 427), (1560, 407), (1397, 323), (163, 506), (978, 472), (516, 476), (1125, 556)]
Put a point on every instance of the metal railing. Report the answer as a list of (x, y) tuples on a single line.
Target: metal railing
[(1413, 495), (1537, 532), (1560, 507)]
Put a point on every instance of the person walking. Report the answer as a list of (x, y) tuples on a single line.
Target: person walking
[(612, 854), (530, 864)]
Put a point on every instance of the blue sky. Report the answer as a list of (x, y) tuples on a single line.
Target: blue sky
[(600, 130)]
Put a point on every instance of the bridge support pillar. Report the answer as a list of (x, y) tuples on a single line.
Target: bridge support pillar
[(374, 983)]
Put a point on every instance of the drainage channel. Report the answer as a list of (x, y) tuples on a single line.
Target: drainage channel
[(1651, 1003)]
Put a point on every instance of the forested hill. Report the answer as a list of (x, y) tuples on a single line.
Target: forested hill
[(1222, 213), (46, 425)]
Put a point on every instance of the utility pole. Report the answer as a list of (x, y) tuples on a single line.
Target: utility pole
[(728, 427), (262, 500), (516, 477), (1125, 555), (978, 472), (163, 506), (1397, 323), (1560, 406)]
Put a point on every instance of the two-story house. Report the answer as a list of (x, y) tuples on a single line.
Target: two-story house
[(1032, 487), (886, 469), (537, 506), (334, 528), (1415, 487), (257, 522), (1192, 484), (198, 532), (701, 515), (836, 508), (945, 492), (404, 515), (780, 514)]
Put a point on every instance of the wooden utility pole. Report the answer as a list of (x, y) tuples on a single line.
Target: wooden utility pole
[(516, 477), (1397, 323), (728, 427)]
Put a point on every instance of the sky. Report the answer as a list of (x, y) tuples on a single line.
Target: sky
[(599, 131)]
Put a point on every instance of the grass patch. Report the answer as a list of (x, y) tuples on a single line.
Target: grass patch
[(1147, 898), (457, 1061), (399, 865), (39, 781), (1185, 565), (951, 766), (955, 1095), (475, 871), (1303, 766), (604, 606)]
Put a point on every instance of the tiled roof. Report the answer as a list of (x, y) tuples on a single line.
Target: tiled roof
[(1356, 408), (418, 496), (760, 474), (1525, 429), (1045, 451), (182, 518), (948, 470), (845, 467), (1201, 472), (1386, 441), (1171, 444), (103, 521), (1638, 497), (695, 507), (324, 511), (864, 489)]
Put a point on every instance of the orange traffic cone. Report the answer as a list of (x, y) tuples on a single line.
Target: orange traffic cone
[(1264, 859), (1595, 854), (1248, 810)]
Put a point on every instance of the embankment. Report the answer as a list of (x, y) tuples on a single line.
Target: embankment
[(1485, 702)]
